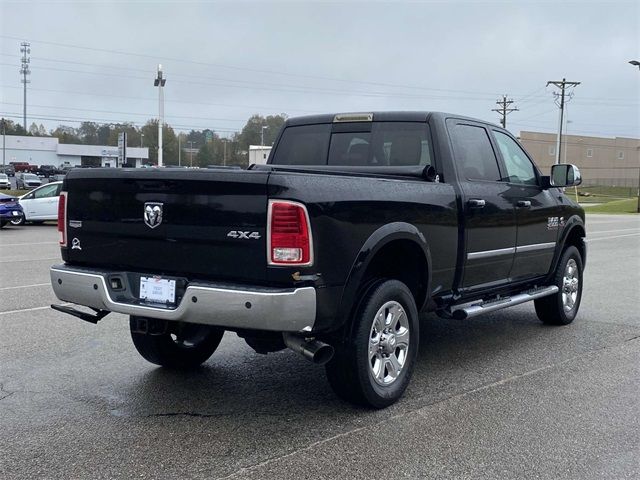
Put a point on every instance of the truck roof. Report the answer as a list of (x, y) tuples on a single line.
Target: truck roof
[(391, 116)]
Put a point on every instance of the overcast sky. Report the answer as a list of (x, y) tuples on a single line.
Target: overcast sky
[(227, 60)]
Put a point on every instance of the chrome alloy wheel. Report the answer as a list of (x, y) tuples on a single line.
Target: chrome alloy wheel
[(388, 343), (570, 285)]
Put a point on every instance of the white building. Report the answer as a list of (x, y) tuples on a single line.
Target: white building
[(48, 151), (258, 154)]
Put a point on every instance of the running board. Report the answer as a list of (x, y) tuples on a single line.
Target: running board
[(462, 312)]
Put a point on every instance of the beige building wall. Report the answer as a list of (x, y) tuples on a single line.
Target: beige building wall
[(601, 160)]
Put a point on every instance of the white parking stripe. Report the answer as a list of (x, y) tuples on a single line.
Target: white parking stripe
[(589, 240), (30, 260), (593, 232), (25, 286), (21, 244), (8, 312)]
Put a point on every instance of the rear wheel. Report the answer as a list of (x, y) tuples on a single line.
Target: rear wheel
[(373, 367), (174, 344), (562, 307), (18, 221)]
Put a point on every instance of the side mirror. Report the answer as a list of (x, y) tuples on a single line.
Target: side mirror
[(565, 175)]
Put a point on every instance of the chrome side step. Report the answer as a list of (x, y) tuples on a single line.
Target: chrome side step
[(462, 312)]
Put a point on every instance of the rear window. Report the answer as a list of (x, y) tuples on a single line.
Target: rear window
[(386, 144)]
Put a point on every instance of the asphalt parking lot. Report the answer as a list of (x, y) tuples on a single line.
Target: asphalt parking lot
[(500, 396)]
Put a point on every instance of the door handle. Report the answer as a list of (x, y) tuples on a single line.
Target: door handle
[(524, 204), (476, 203)]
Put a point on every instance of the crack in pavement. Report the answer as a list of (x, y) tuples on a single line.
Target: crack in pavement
[(7, 392), (418, 409)]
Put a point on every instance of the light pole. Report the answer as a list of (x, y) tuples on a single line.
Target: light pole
[(179, 150), (224, 152), (4, 135), (141, 139), (264, 127), (159, 82), (636, 63), (191, 151)]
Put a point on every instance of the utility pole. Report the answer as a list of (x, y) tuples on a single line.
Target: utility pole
[(562, 85), (24, 71), (159, 82), (179, 151), (504, 110)]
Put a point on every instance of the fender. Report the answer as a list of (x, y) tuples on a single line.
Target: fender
[(574, 222), (378, 239)]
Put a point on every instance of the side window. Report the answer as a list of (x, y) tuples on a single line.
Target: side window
[(44, 192), (519, 167), (304, 145), (474, 154)]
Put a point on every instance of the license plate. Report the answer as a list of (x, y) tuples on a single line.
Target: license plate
[(158, 290), (15, 213)]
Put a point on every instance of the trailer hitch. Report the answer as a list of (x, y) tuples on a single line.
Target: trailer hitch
[(87, 317)]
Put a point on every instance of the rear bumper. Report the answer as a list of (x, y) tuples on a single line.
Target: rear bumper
[(281, 310)]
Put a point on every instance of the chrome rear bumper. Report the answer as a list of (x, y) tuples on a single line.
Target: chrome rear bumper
[(281, 310)]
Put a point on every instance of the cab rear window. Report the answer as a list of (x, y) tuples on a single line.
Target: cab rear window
[(375, 144)]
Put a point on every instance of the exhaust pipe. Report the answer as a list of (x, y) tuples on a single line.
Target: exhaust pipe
[(313, 350)]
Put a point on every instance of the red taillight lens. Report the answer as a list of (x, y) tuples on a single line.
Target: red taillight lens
[(289, 234), (62, 218)]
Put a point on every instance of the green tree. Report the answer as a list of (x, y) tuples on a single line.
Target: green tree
[(66, 134), (169, 143), (12, 128), (251, 133)]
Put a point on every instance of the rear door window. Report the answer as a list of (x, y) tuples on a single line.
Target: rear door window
[(475, 158)]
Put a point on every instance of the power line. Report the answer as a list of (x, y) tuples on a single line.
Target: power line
[(504, 110), (562, 85)]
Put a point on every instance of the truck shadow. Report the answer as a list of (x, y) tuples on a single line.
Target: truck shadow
[(454, 357)]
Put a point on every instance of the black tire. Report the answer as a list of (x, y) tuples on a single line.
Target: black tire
[(182, 345), (2, 223), (350, 372), (551, 310), (18, 221)]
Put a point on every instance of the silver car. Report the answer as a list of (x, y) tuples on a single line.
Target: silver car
[(27, 181), (4, 181)]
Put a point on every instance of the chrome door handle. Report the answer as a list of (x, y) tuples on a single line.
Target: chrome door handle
[(524, 204), (476, 203)]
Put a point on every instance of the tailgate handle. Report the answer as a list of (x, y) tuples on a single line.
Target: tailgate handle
[(524, 204)]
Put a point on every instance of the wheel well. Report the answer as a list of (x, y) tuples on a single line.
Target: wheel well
[(576, 238), (402, 260)]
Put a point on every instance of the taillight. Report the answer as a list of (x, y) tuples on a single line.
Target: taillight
[(62, 218), (289, 239)]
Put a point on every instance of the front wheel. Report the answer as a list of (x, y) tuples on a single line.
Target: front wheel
[(562, 307), (174, 345), (374, 365), (18, 221)]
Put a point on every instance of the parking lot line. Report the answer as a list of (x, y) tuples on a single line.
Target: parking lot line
[(590, 232), (589, 240), (30, 260), (23, 244), (25, 286), (33, 309)]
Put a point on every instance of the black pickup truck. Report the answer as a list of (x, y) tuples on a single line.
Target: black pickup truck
[(357, 223)]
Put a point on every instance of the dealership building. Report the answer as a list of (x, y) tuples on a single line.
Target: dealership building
[(48, 151)]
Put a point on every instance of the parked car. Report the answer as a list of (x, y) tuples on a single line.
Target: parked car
[(357, 224), (4, 181), (58, 177), (24, 167), (8, 169), (41, 204), (46, 170), (25, 181), (10, 210)]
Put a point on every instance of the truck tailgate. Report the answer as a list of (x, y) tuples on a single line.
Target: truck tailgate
[(193, 223)]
